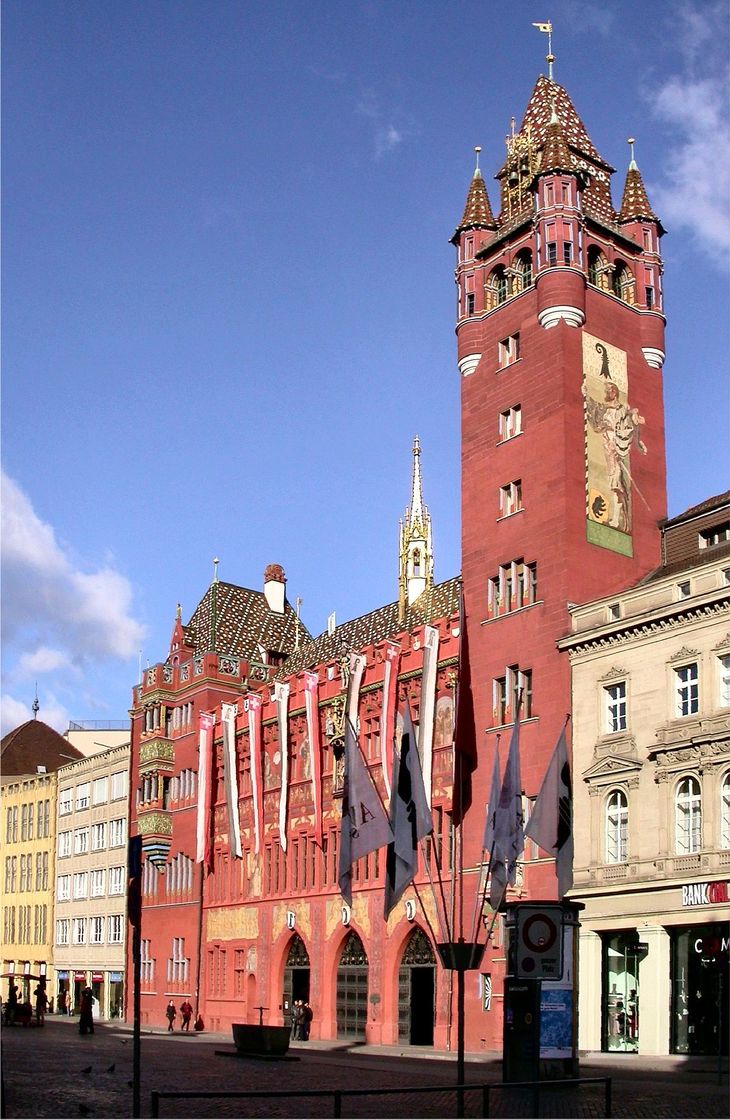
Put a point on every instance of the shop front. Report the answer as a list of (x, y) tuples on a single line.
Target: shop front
[(699, 1010), (79, 985), (116, 995), (622, 954)]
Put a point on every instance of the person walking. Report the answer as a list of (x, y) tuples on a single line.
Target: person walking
[(171, 1013), (307, 1016), (186, 1010), (11, 1004), (86, 1016)]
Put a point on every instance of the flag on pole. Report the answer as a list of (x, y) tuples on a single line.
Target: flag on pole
[(391, 654), (509, 839), (230, 778), (428, 705), (281, 696), (205, 777), (253, 705), (546, 27), (465, 740), (551, 822), (311, 693), (410, 817), (356, 668), (494, 790), (365, 825)]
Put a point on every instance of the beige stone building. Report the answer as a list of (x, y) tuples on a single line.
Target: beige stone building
[(651, 766), (91, 879)]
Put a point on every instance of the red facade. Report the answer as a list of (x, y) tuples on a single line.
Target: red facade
[(560, 347)]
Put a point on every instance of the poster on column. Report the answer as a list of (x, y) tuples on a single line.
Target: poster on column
[(556, 1007)]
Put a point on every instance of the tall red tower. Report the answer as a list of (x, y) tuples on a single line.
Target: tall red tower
[(560, 336)]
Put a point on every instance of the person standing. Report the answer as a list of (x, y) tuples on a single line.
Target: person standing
[(186, 1010), (171, 1013), (86, 1016), (11, 1005), (41, 1003), (307, 1016)]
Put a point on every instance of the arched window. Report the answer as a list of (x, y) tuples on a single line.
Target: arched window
[(617, 827), (523, 270), (688, 816), (725, 812), (496, 292), (597, 268), (416, 561), (623, 283)]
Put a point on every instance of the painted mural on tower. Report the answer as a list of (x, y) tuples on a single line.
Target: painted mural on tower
[(613, 429)]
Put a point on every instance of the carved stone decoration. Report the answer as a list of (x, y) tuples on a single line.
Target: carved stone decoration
[(723, 644), (154, 824), (684, 654), (614, 673)]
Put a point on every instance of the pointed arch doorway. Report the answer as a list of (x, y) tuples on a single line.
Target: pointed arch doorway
[(352, 989), (416, 991), (296, 972)]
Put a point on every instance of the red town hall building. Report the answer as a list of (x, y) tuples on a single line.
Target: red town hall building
[(560, 346)]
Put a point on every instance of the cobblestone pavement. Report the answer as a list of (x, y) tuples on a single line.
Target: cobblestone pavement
[(54, 1072)]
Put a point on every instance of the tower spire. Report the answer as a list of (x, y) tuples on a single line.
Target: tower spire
[(635, 202), (415, 559)]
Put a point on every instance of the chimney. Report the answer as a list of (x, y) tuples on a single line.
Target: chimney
[(275, 588)]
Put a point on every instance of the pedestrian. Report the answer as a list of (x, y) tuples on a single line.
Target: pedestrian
[(41, 1003), (307, 1017), (186, 1010), (62, 1008), (171, 1013), (199, 1024), (86, 1016), (293, 1017), (299, 1020), (11, 1004)]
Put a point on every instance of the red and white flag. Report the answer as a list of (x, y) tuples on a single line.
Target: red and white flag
[(356, 664), (281, 695), (391, 653), (253, 703), (311, 695), (428, 705), (205, 775), (230, 778)]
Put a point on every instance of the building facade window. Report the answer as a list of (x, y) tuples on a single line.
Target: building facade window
[(65, 802), (724, 669), (177, 964), (63, 888), (63, 927), (81, 841), (510, 498), (64, 844), (119, 785), (83, 792), (96, 930), (117, 832), (147, 963), (81, 884), (98, 836), (725, 812), (116, 928), (508, 350), (514, 688), (614, 707), (510, 423), (687, 690), (97, 882), (617, 827), (79, 931), (514, 586), (116, 880), (99, 791), (688, 816)]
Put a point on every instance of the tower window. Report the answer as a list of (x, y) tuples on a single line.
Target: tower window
[(509, 350), (496, 288), (513, 587), (650, 298), (506, 693), (510, 498), (523, 270), (470, 303), (552, 252), (417, 562), (623, 283), (567, 252), (510, 422)]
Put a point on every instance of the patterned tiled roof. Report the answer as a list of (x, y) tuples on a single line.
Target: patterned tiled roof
[(31, 745), (635, 203), (576, 152), (555, 154), (477, 212), (234, 620), (440, 601)]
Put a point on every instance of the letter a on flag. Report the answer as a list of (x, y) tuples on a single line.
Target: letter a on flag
[(365, 825), (551, 823), (410, 817)]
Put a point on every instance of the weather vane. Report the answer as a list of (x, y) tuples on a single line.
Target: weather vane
[(547, 29)]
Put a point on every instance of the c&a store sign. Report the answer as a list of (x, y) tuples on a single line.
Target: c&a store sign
[(704, 894)]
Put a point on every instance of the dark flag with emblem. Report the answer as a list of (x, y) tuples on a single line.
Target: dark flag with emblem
[(551, 823), (365, 824), (410, 817)]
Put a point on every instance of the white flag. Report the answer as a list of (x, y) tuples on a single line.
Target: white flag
[(551, 822), (230, 778), (546, 27), (281, 695), (492, 803), (365, 825), (509, 840)]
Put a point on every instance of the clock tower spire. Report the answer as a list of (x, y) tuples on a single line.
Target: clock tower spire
[(415, 554)]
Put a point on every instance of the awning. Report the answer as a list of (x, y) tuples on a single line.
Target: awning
[(80, 976), (116, 977), (97, 977), (62, 974)]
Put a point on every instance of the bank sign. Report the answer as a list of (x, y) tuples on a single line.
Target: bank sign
[(704, 894)]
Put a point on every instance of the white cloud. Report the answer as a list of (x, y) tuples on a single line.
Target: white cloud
[(57, 617), (386, 134), (386, 139), (695, 192), (43, 660)]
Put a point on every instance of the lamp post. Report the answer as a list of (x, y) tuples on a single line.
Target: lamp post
[(460, 956)]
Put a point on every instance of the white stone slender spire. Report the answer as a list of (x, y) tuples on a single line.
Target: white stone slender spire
[(415, 556)]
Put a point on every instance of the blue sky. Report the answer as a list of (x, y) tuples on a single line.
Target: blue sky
[(228, 300)]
